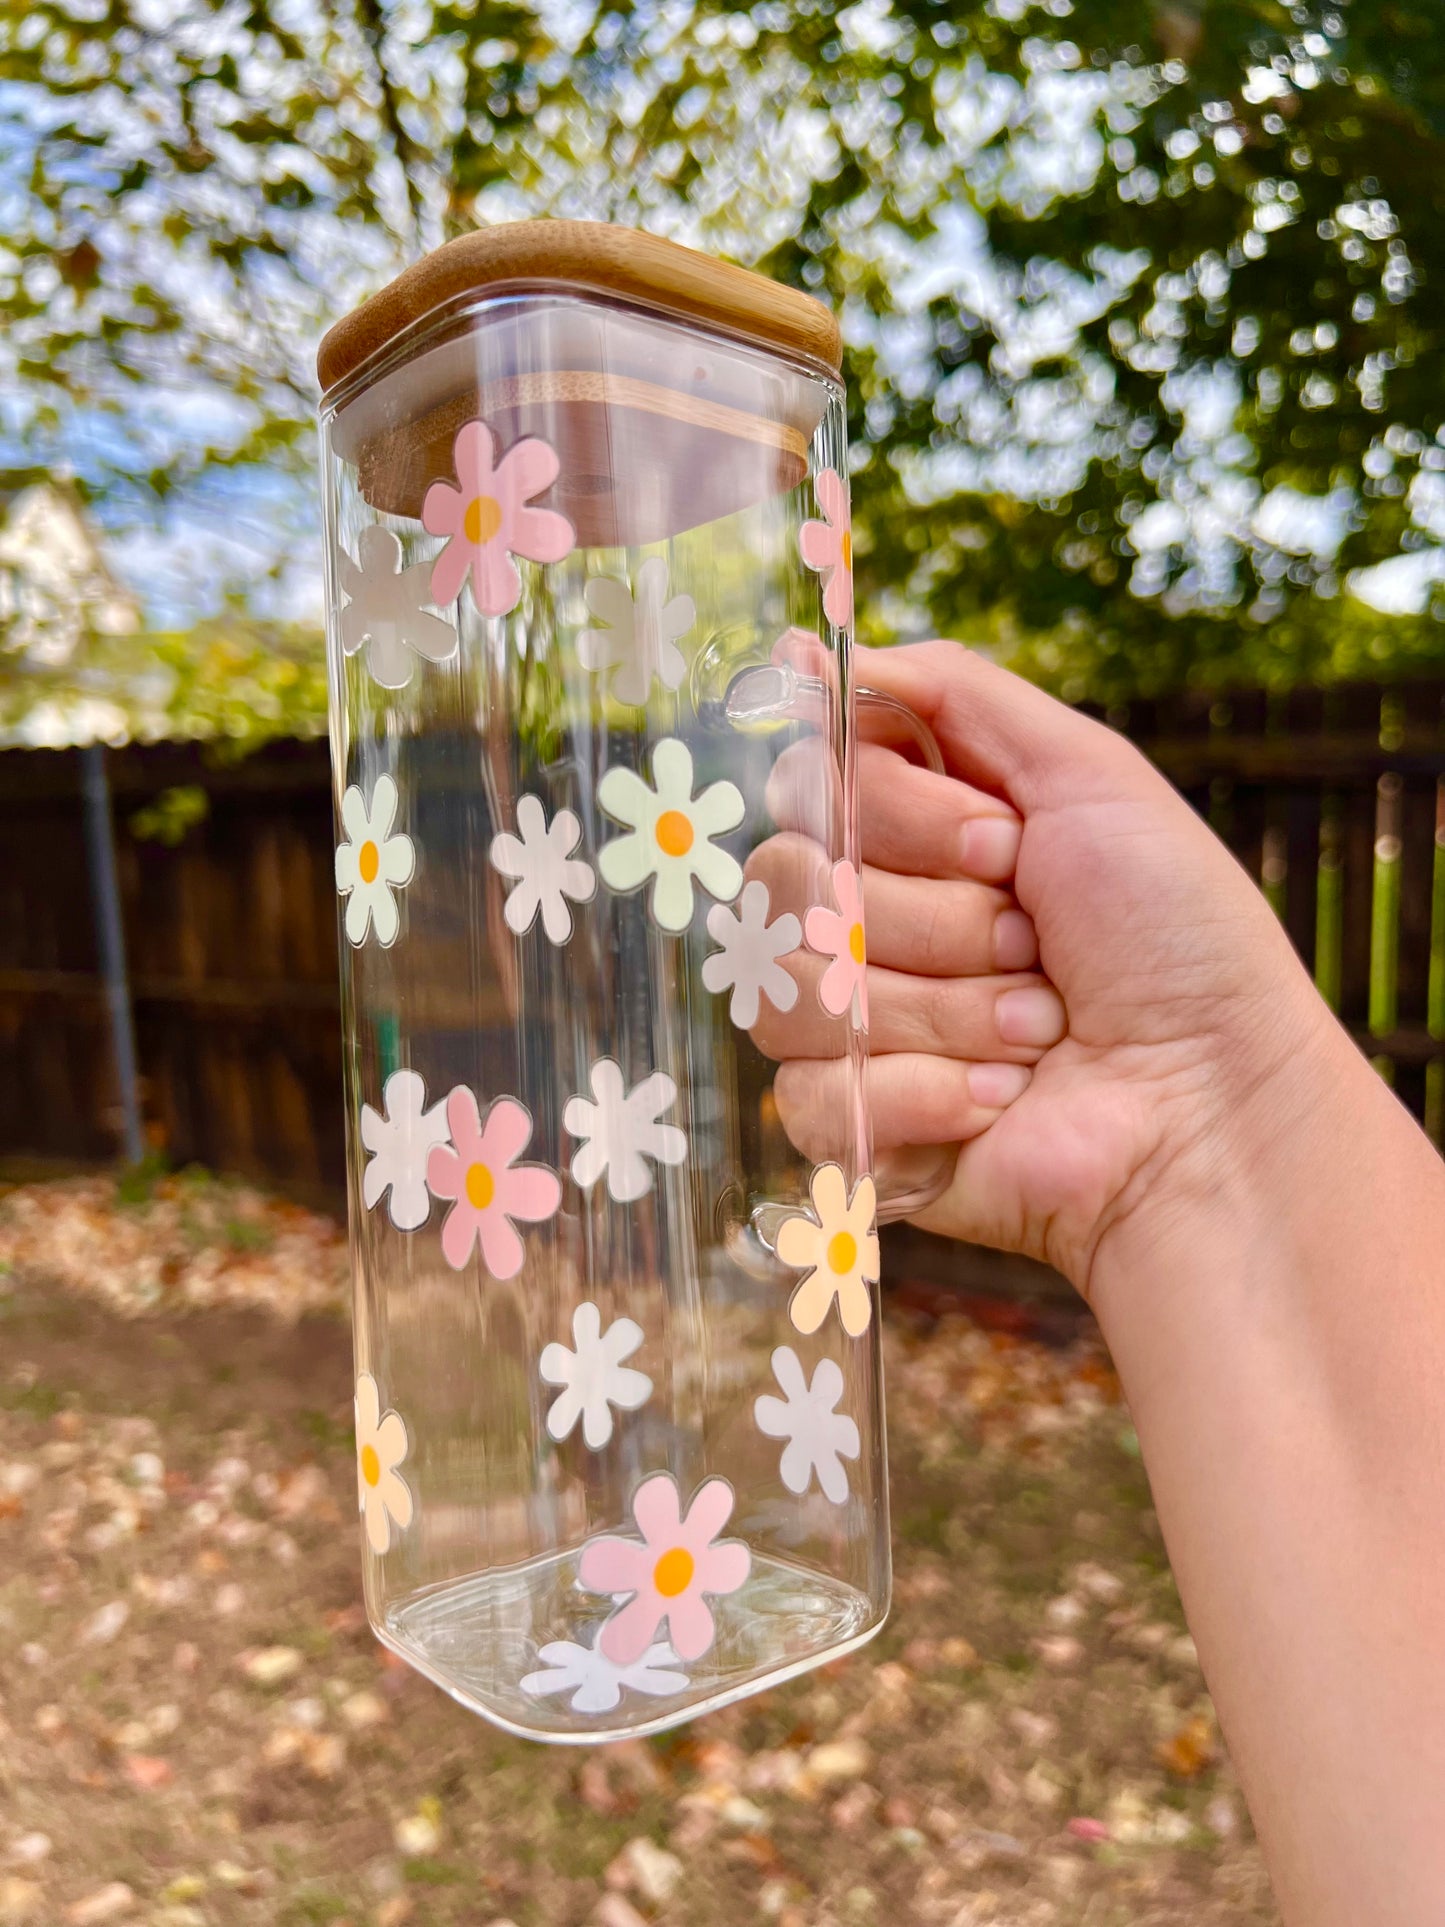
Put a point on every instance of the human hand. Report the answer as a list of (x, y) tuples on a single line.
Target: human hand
[(1070, 978)]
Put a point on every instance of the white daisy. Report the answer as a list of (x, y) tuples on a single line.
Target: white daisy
[(671, 832), (385, 608), (621, 1131), (595, 1682), (371, 863), (594, 1376), (819, 1438), (748, 961), (547, 872), (400, 1138), (640, 641), (381, 1445)]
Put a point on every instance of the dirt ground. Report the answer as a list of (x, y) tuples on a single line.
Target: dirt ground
[(196, 1726)]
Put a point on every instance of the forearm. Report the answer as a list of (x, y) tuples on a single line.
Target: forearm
[(1277, 1312)]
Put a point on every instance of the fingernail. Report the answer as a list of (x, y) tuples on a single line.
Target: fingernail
[(988, 847), (994, 1086), (1033, 1015), (1015, 943)]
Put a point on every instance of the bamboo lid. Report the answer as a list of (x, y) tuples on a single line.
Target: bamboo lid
[(653, 439), (587, 254)]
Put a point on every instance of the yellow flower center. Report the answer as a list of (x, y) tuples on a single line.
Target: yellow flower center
[(674, 833), (846, 548), (370, 1465), (481, 1186), (673, 1572), (368, 861), (842, 1251), (482, 520), (855, 943)]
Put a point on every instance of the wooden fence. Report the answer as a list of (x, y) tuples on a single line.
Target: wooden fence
[(1334, 801)]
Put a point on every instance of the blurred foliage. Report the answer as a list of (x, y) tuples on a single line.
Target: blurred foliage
[(1141, 296), (233, 681), (171, 815)]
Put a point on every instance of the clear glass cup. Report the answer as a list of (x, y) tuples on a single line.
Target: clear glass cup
[(619, 1398)]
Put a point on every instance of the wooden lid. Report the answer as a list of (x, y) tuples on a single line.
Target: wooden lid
[(585, 254)]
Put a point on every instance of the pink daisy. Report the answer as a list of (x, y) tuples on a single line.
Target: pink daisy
[(839, 934), (488, 520), (479, 1169), (828, 546), (669, 1573)]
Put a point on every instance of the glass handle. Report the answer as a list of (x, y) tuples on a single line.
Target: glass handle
[(764, 696), (775, 692)]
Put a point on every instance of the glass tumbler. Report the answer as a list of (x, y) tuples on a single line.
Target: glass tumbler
[(619, 1407)]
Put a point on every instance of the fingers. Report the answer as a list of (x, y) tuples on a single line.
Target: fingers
[(944, 929), (1000, 732), (1011, 1018), (912, 821), (912, 1099), (934, 929)]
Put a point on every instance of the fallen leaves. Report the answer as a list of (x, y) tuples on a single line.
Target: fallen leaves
[(191, 1242), (419, 1834), (1189, 1749), (272, 1666), (189, 1655), (110, 1902)]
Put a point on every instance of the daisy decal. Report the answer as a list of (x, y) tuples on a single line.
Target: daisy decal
[(381, 1444), (838, 1248), (400, 1137), (479, 1170), (827, 546), (547, 873), (671, 1574), (819, 1437), (593, 1376), (371, 863), (671, 832), (640, 640), (488, 521), (839, 934), (621, 1130), (747, 964), (384, 609), (595, 1683)]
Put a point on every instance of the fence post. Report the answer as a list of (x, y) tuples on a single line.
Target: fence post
[(105, 890), (1385, 916)]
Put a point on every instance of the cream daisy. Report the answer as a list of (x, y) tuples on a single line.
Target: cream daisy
[(839, 934), (593, 1376), (384, 609), (640, 640), (371, 863), (670, 1574), (479, 1170), (827, 546), (381, 1445), (747, 964), (400, 1137), (837, 1248), (488, 520), (595, 1683), (547, 873), (671, 832), (819, 1437)]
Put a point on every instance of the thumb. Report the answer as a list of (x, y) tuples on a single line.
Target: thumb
[(1000, 732)]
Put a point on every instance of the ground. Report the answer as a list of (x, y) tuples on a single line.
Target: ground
[(196, 1726)]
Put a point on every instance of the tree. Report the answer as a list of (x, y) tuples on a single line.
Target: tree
[(1140, 295)]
